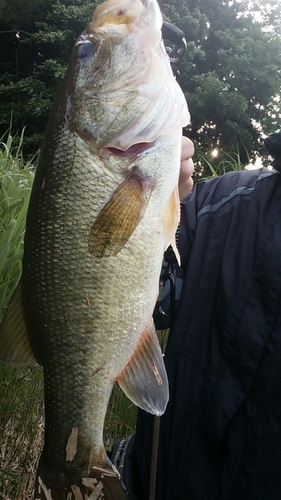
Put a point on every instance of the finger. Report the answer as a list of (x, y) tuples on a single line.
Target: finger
[(185, 178), (187, 148)]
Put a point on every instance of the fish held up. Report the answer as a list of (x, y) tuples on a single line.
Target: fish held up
[(104, 206)]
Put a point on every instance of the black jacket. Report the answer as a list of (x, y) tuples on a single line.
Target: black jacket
[(220, 438)]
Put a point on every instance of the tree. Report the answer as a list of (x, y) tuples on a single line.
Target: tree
[(36, 48), (231, 74)]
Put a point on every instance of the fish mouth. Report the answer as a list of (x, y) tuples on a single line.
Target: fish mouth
[(133, 151)]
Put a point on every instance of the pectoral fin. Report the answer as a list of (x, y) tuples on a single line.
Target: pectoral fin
[(144, 379), (14, 343), (121, 215)]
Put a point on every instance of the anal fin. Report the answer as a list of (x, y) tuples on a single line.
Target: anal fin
[(144, 379), (14, 343)]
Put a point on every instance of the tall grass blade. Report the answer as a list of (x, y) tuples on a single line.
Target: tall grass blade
[(21, 390)]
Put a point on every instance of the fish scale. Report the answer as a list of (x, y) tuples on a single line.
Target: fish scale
[(104, 206), (69, 319)]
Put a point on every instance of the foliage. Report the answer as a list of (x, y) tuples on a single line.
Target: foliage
[(21, 390), (36, 48), (15, 183), (231, 74), (207, 166)]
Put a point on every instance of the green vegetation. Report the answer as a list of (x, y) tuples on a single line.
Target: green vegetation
[(36, 40), (15, 181), (231, 74), (211, 166), (21, 391)]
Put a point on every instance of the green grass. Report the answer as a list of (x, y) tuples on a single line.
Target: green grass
[(21, 390), (21, 402), (207, 166), (15, 183)]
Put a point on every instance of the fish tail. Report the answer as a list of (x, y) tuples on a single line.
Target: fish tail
[(102, 483)]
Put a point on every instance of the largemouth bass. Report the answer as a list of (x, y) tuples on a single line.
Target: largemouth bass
[(104, 206)]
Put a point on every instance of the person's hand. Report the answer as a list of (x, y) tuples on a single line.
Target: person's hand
[(187, 167)]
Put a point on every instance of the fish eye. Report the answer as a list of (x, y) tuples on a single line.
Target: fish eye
[(85, 49)]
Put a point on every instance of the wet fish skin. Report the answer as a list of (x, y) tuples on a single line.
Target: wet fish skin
[(103, 208)]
